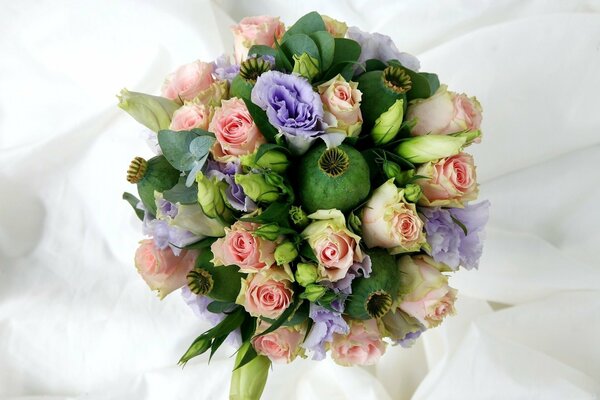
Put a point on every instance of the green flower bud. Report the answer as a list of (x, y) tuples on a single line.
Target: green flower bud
[(306, 274), (285, 253), (313, 292), (299, 217), (422, 149), (273, 160), (391, 169), (471, 136), (210, 197), (268, 232), (388, 124), (257, 188), (404, 177), (355, 223), (412, 192), (154, 112), (248, 381), (306, 66)]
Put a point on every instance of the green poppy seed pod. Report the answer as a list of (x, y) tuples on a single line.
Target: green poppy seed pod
[(372, 297), (222, 283), (380, 90)]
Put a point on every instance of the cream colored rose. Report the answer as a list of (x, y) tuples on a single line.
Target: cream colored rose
[(188, 81), (388, 221), (342, 99), (260, 30)]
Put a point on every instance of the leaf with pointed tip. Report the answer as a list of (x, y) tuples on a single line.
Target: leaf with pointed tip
[(133, 202), (248, 354), (259, 116)]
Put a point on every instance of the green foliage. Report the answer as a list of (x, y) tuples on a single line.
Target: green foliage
[(180, 193), (160, 176), (262, 121), (261, 50), (134, 201), (309, 23)]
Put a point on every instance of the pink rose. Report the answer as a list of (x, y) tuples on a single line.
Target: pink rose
[(240, 247), (261, 30), (390, 222), (445, 112), (281, 346), (236, 132), (452, 181), (335, 247), (190, 116), (362, 346), (162, 270), (342, 100), (266, 294), (188, 81), (426, 294), (336, 28)]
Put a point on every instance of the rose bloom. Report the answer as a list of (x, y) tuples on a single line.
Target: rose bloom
[(190, 116), (342, 100), (426, 295), (162, 270), (335, 247), (260, 30), (445, 112), (452, 181), (235, 130), (266, 294), (336, 28), (188, 81), (280, 346), (240, 247), (362, 346), (388, 221)]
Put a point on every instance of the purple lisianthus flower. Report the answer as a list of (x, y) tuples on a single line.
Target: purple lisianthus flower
[(164, 234), (292, 106), (234, 194), (198, 305), (449, 244), (224, 70), (344, 285), (326, 323), (381, 47), (410, 338)]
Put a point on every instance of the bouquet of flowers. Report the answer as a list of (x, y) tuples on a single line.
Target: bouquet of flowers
[(310, 194)]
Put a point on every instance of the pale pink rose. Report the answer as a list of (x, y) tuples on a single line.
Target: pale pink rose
[(242, 248), (235, 130), (188, 81), (266, 294), (388, 221), (342, 99), (445, 112), (335, 247), (280, 346), (162, 270), (427, 296), (362, 346), (452, 181), (190, 116), (260, 30)]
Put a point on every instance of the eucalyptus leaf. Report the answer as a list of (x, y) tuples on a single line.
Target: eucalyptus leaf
[(180, 193), (175, 146), (309, 23), (326, 45), (282, 61), (262, 121), (159, 176), (346, 50), (300, 44), (261, 50), (374, 64), (134, 201)]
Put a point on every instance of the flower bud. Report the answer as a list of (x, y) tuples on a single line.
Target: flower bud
[(299, 217), (388, 124), (471, 136), (210, 197), (412, 192), (257, 188), (268, 232), (313, 292), (391, 169), (273, 160), (422, 149), (285, 253), (355, 223), (306, 66), (306, 274), (154, 112)]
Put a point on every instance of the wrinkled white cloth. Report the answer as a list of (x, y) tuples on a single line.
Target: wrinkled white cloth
[(77, 322)]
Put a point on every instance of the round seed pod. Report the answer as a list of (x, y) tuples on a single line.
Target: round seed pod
[(159, 176), (372, 297), (220, 283)]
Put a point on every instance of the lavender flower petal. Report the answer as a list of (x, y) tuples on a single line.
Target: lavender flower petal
[(326, 323)]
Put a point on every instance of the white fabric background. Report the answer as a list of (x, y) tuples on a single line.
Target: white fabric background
[(76, 321)]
